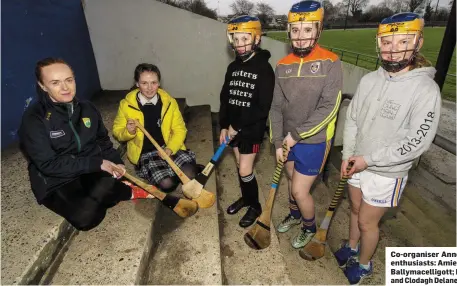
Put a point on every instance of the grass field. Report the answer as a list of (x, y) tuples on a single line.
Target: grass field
[(363, 41)]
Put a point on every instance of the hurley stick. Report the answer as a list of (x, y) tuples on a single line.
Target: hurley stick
[(203, 177), (259, 237), (182, 207), (191, 188)]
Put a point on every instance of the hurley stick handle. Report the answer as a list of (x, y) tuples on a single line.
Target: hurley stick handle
[(184, 179), (340, 189), (274, 184)]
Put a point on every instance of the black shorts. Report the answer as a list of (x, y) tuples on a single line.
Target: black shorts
[(245, 147)]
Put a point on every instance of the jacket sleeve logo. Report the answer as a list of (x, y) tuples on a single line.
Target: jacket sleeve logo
[(86, 122)]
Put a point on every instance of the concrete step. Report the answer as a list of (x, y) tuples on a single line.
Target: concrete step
[(115, 252), (441, 192), (188, 251), (435, 232), (432, 206), (440, 163), (32, 235)]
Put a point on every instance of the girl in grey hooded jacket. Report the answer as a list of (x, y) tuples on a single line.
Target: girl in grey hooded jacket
[(390, 122)]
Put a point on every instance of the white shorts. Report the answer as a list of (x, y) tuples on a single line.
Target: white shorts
[(378, 190)]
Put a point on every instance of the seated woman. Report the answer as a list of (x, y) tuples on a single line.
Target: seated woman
[(71, 158), (159, 113)]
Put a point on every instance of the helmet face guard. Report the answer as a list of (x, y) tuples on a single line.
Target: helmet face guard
[(397, 57), (238, 30), (398, 40), (243, 50), (307, 18), (302, 51)]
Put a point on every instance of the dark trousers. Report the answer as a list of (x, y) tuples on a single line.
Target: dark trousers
[(84, 201)]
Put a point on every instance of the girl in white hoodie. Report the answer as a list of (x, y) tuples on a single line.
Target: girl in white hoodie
[(391, 121)]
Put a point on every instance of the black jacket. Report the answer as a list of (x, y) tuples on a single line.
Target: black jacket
[(247, 95), (62, 144)]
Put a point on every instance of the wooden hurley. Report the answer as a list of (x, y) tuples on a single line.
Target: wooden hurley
[(182, 207), (259, 237), (191, 188)]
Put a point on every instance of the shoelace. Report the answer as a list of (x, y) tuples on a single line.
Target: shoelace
[(303, 234), (288, 218)]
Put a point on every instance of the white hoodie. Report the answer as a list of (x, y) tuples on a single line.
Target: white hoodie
[(392, 120)]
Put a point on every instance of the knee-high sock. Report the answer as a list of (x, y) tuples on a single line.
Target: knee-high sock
[(250, 190)]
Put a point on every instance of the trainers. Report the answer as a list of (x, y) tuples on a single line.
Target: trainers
[(288, 223), (137, 192), (345, 256), (302, 238), (355, 273)]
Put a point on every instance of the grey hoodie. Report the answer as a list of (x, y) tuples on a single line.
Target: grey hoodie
[(392, 121)]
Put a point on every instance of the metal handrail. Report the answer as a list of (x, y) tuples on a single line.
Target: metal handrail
[(365, 55), (439, 140), (346, 51)]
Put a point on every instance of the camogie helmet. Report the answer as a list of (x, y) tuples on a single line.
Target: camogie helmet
[(305, 12), (408, 24), (248, 25)]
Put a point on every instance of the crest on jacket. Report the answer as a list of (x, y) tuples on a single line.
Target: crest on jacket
[(315, 67), (86, 121)]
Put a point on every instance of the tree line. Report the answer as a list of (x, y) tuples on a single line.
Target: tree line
[(354, 11)]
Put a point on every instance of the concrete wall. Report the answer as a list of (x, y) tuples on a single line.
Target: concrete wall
[(190, 50)]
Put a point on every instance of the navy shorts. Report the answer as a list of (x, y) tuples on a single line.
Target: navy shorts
[(309, 159)]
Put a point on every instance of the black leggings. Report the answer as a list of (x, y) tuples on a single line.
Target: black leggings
[(169, 184), (84, 201)]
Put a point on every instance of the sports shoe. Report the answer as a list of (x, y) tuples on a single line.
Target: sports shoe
[(355, 274), (288, 223), (302, 238), (137, 192), (346, 256)]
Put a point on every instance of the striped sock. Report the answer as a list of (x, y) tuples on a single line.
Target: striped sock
[(309, 224), (293, 207)]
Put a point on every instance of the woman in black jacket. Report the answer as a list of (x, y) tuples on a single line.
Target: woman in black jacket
[(72, 161)]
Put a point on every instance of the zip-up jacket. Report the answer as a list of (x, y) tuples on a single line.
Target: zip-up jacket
[(392, 120), (306, 98), (246, 96), (63, 141), (173, 127)]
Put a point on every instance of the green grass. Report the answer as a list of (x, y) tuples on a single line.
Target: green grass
[(363, 41)]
